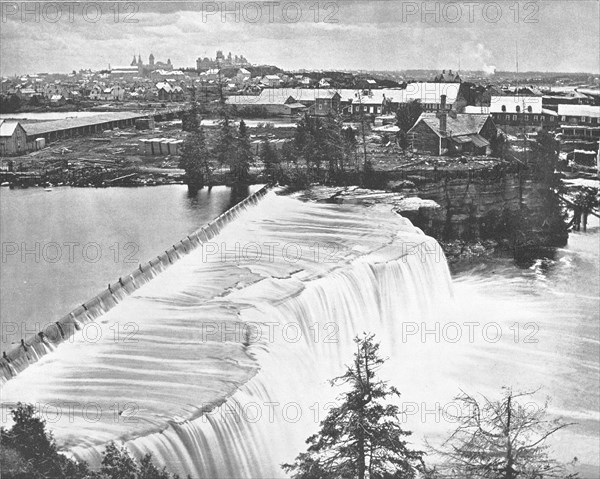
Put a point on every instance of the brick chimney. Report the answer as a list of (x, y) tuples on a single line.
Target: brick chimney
[(443, 102)]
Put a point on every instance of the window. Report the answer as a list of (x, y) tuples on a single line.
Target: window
[(514, 117), (529, 109), (518, 109), (535, 117), (320, 106), (503, 107), (526, 117), (508, 117), (543, 118), (563, 118), (583, 119)]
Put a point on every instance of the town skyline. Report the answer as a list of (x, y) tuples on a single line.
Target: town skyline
[(371, 36)]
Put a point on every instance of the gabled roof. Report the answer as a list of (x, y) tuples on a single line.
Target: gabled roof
[(8, 127), (463, 124), (164, 86)]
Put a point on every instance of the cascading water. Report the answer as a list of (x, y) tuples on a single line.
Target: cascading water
[(219, 365)]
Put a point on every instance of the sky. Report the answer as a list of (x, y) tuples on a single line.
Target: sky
[(550, 35)]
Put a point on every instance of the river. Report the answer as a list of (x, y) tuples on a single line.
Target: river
[(61, 247), (328, 273)]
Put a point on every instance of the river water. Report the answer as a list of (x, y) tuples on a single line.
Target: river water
[(308, 277)]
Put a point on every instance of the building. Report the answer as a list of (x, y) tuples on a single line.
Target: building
[(221, 61), (57, 100), (579, 121), (167, 92), (447, 77), (326, 102), (448, 132), (270, 102), (522, 111), (271, 81), (70, 127), (13, 138), (125, 71)]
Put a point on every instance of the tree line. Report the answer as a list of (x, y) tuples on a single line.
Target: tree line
[(322, 150)]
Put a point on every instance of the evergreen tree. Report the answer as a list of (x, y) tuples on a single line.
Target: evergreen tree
[(408, 114), (225, 146), (28, 451), (243, 158), (190, 121), (362, 436), (271, 162), (195, 159)]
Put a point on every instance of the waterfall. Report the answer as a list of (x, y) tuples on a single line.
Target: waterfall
[(219, 365)]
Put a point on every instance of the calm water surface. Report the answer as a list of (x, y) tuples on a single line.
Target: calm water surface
[(61, 247)]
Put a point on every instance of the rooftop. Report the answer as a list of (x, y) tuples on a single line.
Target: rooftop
[(463, 124), (45, 127)]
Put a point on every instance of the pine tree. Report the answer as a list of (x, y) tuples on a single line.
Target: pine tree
[(225, 146), (195, 159), (362, 436), (271, 162), (243, 156), (190, 120)]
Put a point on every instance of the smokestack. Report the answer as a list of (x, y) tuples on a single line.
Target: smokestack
[(443, 102)]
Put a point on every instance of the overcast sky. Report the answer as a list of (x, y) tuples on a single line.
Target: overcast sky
[(552, 35)]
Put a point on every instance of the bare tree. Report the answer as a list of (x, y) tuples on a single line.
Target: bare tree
[(501, 439)]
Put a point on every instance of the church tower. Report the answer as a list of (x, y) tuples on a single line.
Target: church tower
[(151, 60), (134, 62)]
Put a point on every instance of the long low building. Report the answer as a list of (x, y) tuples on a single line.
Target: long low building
[(54, 130)]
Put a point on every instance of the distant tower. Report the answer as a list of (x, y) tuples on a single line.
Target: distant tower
[(169, 61), (151, 60), (134, 62), (140, 62)]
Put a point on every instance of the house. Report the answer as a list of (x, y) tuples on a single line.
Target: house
[(242, 76), (57, 100), (306, 81), (27, 93), (271, 81), (96, 92), (13, 138), (325, 83), (166, 92), (326, 102), (447, 132)]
